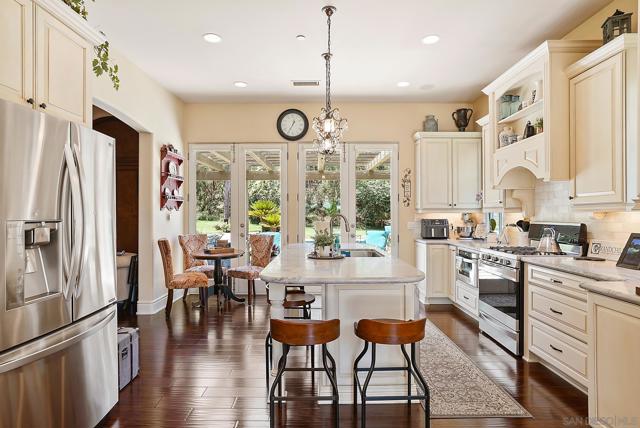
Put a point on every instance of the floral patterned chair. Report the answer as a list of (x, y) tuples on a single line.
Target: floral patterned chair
[(195, 243), (260, 256), (182, 281)]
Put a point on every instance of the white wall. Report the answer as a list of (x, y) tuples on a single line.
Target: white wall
[(158, 116)]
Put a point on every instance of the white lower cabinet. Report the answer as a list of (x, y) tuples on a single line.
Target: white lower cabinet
[(556, 322), (614, 352), (434, 261), (467, 298)]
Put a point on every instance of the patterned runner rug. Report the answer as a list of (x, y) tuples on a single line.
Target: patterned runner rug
[(459, 389)]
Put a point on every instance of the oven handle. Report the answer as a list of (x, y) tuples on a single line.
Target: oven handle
[(512, 275)]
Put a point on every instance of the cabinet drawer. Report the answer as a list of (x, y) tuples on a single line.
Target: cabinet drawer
[(557, 281), (564, 352), (466, 298), (566, 313)]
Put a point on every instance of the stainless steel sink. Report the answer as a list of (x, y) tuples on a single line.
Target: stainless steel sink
[(361, 253)]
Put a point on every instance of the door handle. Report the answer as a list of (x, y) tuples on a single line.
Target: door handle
[(76, 218), (75, 143), (353, 235), (242, 225), (242, 234), (43, 106)]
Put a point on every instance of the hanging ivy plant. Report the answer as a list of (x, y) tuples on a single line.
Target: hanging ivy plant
[(101, 63)]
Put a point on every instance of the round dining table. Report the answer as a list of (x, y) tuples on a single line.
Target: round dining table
[(217, 259)]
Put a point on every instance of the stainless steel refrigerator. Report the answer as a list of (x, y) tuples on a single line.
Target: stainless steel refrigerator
[(58, 338)]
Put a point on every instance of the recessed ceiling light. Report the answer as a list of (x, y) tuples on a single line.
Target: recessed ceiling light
[(240, 84), (431, 39), (301, 37), (212, 38), (403, 84)]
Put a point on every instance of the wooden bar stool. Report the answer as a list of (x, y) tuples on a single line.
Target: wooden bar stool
[(294, 299), (304, 333), (390, 332)]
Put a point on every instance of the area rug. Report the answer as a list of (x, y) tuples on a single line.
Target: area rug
[(459, 389)]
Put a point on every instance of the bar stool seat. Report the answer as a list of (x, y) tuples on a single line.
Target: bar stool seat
[(390, 332), (297, 300), (304, 333)]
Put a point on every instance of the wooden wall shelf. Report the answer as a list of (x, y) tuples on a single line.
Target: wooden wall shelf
[(170, 181)]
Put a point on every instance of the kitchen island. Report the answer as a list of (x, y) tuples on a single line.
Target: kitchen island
[(364, 284)]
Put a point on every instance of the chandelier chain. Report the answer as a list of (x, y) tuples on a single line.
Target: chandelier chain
[(328, 63)]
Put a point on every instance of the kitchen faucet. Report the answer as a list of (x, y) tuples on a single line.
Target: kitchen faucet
[(346, 224)]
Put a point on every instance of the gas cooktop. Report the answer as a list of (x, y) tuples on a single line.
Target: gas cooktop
[(523, 251)]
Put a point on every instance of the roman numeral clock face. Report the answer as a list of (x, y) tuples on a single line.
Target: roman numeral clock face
[(292, 124)]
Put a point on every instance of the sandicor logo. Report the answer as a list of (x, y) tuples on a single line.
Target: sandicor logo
[(595, 248)]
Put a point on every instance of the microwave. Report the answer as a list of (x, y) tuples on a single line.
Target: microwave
[(434, 228)]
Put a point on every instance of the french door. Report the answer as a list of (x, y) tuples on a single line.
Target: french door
[(359, 181), (236, 190)]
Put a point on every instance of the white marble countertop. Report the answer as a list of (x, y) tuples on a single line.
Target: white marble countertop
[(603, 277), (293, 267), (621, 290), (475, 244)]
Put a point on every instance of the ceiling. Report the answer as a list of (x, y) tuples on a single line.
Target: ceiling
[(376, 44)]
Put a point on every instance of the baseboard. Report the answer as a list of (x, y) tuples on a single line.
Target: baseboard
[(155, 306)]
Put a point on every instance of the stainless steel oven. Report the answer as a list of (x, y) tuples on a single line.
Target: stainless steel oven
[(467, 267), (501, 302)]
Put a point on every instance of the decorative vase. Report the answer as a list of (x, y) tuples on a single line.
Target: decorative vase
[(430, 123), (461, 118), (505, 136), (324, 251)]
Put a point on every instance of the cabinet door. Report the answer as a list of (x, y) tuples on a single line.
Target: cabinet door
[(16, 50), (418, 176), (467, 177), (421, 264), (435, 173), (63, 66), (596, 136), (614, 346), (491, 198), (451, 291), (437, 271)]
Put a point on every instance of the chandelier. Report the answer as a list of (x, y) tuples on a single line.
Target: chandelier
[(329, 125)]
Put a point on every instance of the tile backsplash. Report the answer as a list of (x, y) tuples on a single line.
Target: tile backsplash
[(552, 204)]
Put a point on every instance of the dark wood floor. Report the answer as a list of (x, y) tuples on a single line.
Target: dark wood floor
[(208, 370)]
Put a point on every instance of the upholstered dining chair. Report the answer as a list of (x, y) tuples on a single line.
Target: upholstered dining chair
[(195, 243), (182, 281), (260, 247)]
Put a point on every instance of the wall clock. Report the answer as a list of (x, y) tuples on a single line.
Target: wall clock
[(292, 124)]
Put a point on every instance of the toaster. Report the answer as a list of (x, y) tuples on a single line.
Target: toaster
[(434, 228)]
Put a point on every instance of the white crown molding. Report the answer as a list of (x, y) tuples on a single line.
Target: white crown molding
[(617, 45), (549, 46), (64, 13), (456, 135)]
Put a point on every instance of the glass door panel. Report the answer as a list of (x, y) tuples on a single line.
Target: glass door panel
[(373, 197), (264, 197), (321, 191), (214, 186)]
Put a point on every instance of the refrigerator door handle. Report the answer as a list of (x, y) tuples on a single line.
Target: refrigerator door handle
[(55, 342), (75, 144), (67, 239), (77, 220)]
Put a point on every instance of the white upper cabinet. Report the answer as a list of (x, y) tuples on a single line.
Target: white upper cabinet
[(467, 172), (448, 170), (535, 88), (63, 67), (46, 51), (16, 50), (603, 127)]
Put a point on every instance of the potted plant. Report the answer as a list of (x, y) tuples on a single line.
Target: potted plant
[(491, 236), (270, 223), (323, 242), (539, 125)]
